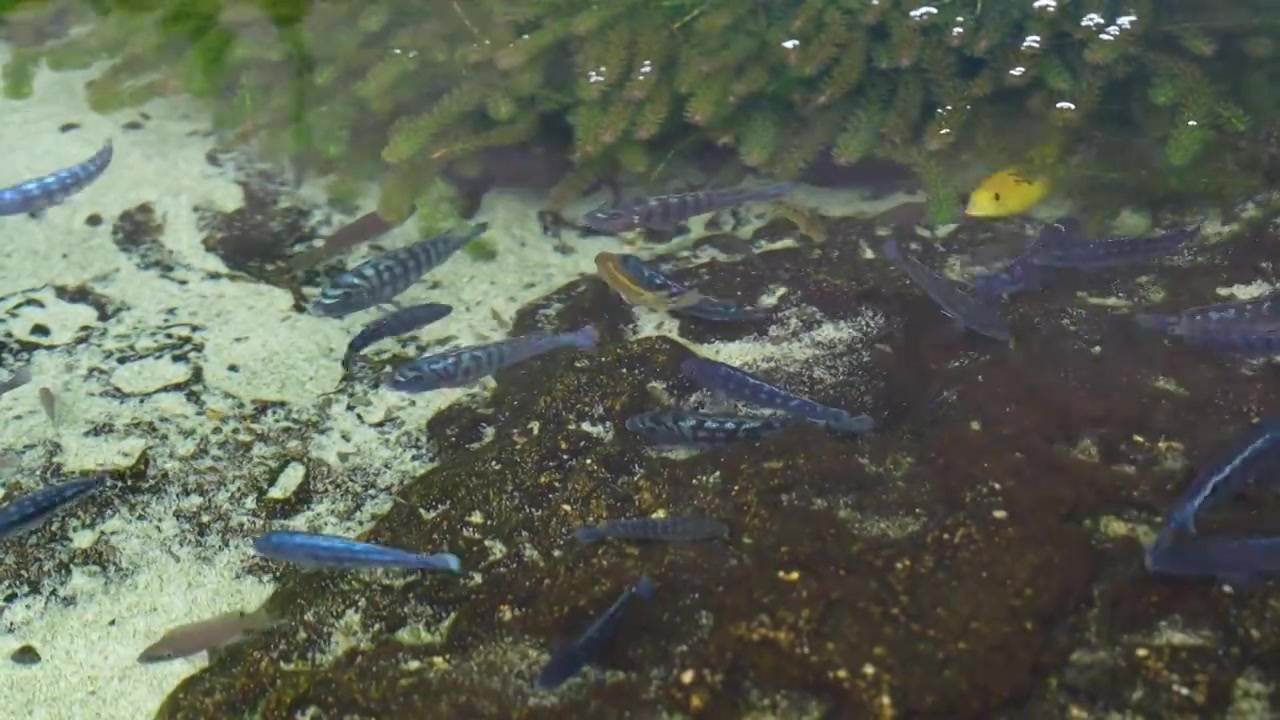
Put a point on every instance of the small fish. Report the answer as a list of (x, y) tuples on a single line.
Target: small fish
[(972, 312), (568, 661), (1064, 249), (1249, 327), (1019, 275), (1255, 454), (330, 551), (396, 323), (646, 281), (706, 308), (19, 378), (746, 387), (670, 529), (463, 366), (207, 635), (636, 285), (665, 212), (1011, 191), (49, 404), (682, 427), (381, 279), (29, 511), (40, 193), (1237, 561)]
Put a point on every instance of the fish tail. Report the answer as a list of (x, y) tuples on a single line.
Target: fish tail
[(1167, 324), (587, 338), (588, 535), (770, 192), (445, 561), (644, 587)]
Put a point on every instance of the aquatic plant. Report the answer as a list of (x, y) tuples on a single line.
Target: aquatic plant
[(400, 92)]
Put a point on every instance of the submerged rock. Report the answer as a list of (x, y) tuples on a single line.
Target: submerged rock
[(942, 567)]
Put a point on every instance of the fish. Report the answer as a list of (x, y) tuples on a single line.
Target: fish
[(646, 282), (1019, 275), (32, 196), (1011, 191), (1248, 327), (1254, 454), (27, 512), (706, 308), (20, 377), (1237, 561), (381, 279), (684, 427), (665, 212), (49, 404), (569, 660), (366, 228), (396, 323), (1063, 249), (639, 286), (670, 529), (973, 312), (331, 551), (746, 387), (207, 635), (463, 366)]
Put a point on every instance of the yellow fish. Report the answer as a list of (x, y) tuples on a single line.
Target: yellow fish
[(610, 268), (1009, 192)]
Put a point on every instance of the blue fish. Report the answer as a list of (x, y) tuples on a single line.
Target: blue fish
[(1256, 453), (381, 279), (29, 511), (1019, 275), (687, 528), (461, 367), (331, 551), (35, 195), (1059, 246), (396, 323), (569, 660), (665, 212), (1250, 327), (973, 312), (742, 385), (652, 280), (1237, 561), (683, 427)]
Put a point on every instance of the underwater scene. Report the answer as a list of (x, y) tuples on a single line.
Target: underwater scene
[(471, 359)]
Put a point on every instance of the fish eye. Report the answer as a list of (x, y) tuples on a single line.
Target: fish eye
[(995, 196)]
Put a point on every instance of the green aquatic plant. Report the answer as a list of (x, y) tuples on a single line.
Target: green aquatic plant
[(400, 92)]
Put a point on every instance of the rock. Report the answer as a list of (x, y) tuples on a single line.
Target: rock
[(26, 655), (942, 567), (151, 375)]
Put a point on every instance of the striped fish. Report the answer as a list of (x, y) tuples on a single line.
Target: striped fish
[(461, 367), (381, 279), (688, 528), (746, 387), (32, 196), (665, 212), (570, 659), (29, 511), (683, 427)]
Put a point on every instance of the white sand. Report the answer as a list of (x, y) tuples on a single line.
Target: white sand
[(89, 623)]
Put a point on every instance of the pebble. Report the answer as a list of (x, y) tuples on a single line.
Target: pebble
[(26, 655)]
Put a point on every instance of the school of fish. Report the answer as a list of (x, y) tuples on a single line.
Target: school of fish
[(1248, 328)]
